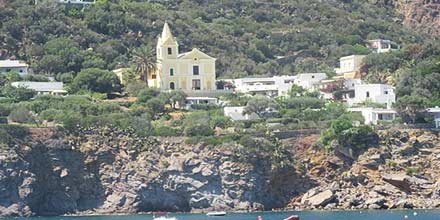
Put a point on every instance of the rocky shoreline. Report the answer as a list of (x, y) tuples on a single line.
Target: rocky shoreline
[(113, 172)]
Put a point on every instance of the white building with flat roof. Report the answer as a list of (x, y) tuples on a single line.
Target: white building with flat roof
[(270, 86), (376, 115), (309, 81), (436, 113), (376, 93), (382, 46), (13, 66), (42, 88), (190, 101)]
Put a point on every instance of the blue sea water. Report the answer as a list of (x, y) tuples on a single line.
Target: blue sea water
[(306, 215)]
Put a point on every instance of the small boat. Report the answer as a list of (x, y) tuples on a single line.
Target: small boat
[(162, 216), (292, 217), (216, 213)]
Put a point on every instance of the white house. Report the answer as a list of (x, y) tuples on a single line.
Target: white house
[(236, 114), (309, 81), (436, 112), (42, 88), (375, 115), (13, 66), (350, 84), (350, 66), (270, 86), (199, 100), (377, 93), (382, 46)]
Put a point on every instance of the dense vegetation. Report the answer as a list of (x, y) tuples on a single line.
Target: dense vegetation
[(245, 36)]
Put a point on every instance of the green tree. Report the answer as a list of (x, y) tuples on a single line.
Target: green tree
[(296, 91), (96, 80), (156, 106), (146, 94), (346, 135), (260, 105), (19, 94), (144, 61), (410, 107)]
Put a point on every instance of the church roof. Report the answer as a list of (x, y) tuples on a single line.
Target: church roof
[(166, 37), (195, 53)]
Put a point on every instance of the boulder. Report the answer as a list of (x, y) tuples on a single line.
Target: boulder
[(321, 199), (398, 180), (373, 161), (376, 203)]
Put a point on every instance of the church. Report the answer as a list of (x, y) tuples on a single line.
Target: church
[(193, 70)]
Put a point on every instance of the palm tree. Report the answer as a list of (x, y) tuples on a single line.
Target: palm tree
[(145, 62)]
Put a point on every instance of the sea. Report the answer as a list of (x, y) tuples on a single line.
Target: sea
[(304, 215)]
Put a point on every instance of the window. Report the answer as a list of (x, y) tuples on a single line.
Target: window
[(313, 76), (153, 76), (170, 51), (172, 85), (8, 70), (196, 84), (385, 92), (368, 94), (21, 71), (171, 72), (195, 70)]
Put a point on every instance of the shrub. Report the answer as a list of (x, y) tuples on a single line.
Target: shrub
[(141, 125), (15, 131), (156, 105), (70, 121), (220, 121), (5, 138), (146, 94), (18, 94), (304, 102), (133, 88), (204, 106), (50, 114), (198, 130), (5, 109), (412, 171), (165, 131), (346, 135), (20, 115)]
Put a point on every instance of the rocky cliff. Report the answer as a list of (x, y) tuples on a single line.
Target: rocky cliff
[(421, 14), (109, 171), (401, 172), (113, 172)]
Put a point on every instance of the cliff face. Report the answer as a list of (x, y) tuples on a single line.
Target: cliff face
[(401, 172), (111, 172), (422, 15)]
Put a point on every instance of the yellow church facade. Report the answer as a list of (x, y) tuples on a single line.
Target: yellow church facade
[(193, 70)]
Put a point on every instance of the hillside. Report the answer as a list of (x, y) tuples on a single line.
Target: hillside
[(247, 37)]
